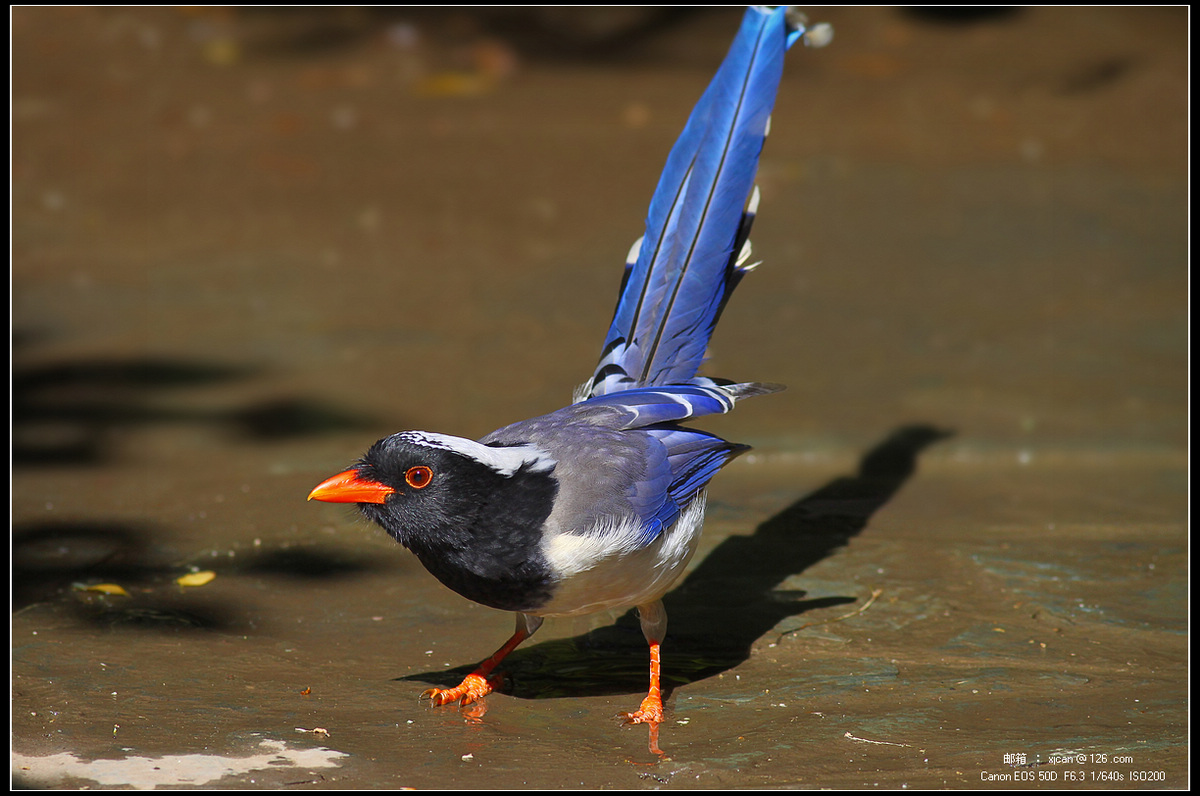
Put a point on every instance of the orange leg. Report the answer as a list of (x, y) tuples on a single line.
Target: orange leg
[(480, 683), (651, 710), (653, 618)]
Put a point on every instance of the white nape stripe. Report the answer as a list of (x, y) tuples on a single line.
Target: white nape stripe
[(504, 460)]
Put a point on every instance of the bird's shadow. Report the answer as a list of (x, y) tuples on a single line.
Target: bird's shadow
[(727, 602)]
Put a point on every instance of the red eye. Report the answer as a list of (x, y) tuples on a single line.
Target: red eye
[(418, 477)]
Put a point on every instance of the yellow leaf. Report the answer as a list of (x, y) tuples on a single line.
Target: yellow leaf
[(107, 588), (196, 578)]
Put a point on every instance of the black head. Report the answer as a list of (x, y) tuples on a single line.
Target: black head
[(472, 513)]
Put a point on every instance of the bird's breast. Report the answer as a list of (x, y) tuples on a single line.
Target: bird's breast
[(607, 568)]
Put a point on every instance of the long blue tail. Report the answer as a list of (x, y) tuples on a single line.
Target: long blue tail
[(695, 250)]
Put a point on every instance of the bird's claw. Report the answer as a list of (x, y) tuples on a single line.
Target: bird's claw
[(650, 712), (473, 688)]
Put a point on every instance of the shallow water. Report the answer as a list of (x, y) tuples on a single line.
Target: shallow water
[(247, 244)]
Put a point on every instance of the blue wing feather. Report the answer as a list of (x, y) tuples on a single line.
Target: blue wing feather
[(648, 406), (692, 459), (673, 403)]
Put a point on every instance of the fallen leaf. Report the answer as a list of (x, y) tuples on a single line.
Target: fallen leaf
[(107, 588), (196, 578)]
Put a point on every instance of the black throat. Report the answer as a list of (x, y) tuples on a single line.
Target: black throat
[(480, 535)]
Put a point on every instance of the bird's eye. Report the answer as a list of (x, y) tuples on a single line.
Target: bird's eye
[(418, 477)]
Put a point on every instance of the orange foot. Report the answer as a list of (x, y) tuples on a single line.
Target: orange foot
[(473, 688), (651, 711)]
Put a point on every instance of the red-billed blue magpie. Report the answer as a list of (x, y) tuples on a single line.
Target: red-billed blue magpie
[(599, 505)]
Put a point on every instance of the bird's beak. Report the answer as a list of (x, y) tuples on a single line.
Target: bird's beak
[(350, 487)]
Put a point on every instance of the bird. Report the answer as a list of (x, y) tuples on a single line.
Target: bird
[(599, 505)]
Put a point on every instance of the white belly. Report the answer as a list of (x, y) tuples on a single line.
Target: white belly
[(604, 570)]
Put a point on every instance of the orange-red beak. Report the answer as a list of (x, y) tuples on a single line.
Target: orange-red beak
[(350, 487)]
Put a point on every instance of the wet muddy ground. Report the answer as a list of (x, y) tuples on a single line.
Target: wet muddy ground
[(247, 244)]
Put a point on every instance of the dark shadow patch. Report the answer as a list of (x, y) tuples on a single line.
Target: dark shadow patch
[(53, 564), (306, 562), (286, 418), (64, 412), (1095, 75), (68, 413), (48, 558)]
